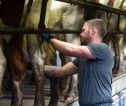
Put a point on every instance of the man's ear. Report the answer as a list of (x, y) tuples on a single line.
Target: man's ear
[(93, 29)]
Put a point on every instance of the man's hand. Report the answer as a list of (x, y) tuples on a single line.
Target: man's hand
[(47, 36)]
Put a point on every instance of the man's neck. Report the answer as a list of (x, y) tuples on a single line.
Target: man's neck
[(96, 40)]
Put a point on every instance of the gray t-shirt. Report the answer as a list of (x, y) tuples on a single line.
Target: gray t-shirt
[(95, 75)]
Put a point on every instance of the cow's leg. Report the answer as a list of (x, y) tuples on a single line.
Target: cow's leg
[(39, 76), (38, 73), (36, 52), (72, 89), (16, 59), (37, 63), (7, 81), (2, 68), (37, 56), (32, 79), (54, 82), (17, 68), (63, 80), (17, 89), (54, 92), (75, 23)]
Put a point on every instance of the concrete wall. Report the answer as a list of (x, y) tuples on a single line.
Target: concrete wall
[(118, 91), (118, 83)]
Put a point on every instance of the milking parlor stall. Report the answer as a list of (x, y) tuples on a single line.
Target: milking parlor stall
[(23, 52)]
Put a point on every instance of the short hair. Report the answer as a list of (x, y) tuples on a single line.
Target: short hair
[(99, 25)]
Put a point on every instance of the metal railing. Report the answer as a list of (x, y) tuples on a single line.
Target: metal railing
[(85, 4)]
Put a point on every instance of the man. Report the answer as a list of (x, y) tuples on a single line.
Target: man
[(93, 64)]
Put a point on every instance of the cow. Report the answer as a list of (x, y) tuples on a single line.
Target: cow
[(13, 47), (13, 14), (117, 41)]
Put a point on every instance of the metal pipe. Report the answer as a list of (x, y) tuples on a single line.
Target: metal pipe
[(34, 31), (43, 14), (4, 31), (95, 5)]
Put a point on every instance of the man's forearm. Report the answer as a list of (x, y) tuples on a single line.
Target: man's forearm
[(71, 49), (61, 46), (52, 71)]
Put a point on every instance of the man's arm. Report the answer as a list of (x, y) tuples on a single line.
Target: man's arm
[(71, 49), (57, 71)]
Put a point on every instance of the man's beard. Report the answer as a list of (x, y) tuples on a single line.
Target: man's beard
[(82, 42), (86, 40)]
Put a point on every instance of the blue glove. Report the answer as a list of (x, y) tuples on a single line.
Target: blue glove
[(47, 36)]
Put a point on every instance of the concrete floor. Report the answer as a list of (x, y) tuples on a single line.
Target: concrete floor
[(29, 93)]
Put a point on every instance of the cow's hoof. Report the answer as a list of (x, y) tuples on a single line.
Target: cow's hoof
[(1, 96), (52, 104), (61, 99), (69, 99)]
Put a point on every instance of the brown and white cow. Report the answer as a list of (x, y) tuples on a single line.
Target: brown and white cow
[(13, 14), (13, 49)]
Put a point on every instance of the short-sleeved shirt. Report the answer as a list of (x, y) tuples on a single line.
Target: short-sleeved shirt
[(95, 75)]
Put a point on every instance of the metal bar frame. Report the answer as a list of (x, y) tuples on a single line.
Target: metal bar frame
[(95, 5), (46, 30), (99, 6), (4, 31)]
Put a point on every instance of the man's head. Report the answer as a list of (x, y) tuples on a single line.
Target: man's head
[(93, 30)]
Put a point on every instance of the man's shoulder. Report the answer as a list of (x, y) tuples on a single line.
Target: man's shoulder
[(98, 45)]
